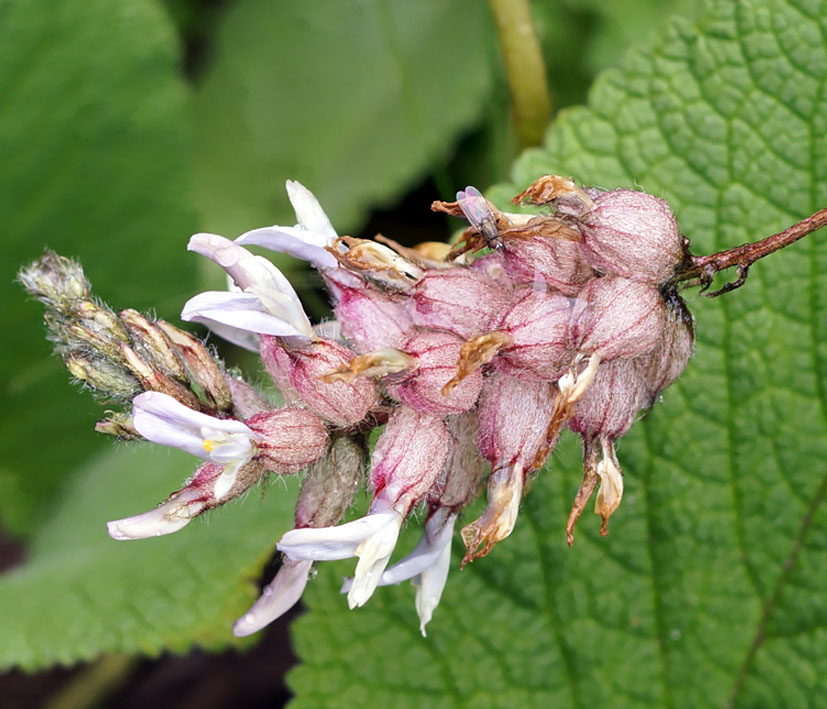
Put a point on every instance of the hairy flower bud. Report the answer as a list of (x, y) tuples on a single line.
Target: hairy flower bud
[(539, 346), (408, 457), (202, 370), (370, 319), (634, 235), (611, 403), (513, 417), (464, 467), (460, 300), (663, 365), (103, 376), (298, 373), (331, 483), (247, 400), (56, 281), (542, 257), (422, 387), (152, 344), (155, 380), (616, 317), (289, 439)]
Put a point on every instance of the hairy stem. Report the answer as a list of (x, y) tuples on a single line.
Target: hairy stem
[(524, 68), (703, 268)]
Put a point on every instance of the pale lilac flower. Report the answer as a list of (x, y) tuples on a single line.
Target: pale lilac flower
[(278, 597), (426, 566), (167, 518), (227, 442), (197, 496), (406, 462), (307, 240), (372, 538), (265, 304)]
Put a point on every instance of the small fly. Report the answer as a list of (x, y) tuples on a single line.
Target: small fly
[(478, 212)]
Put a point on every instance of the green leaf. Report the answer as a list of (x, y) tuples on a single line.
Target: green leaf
[(81, 594), (582, 37), (354, 99), (95, 154), (709, 589)]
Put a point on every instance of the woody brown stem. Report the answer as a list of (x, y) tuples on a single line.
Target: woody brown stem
[(703, 268)]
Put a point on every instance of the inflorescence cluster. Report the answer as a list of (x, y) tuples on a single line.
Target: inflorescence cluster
[(473, 358)]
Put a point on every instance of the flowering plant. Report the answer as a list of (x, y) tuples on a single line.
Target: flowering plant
[(473, 358)]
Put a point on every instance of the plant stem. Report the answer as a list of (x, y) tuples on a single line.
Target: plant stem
[(524, 69), (95, 683), (702, 269)]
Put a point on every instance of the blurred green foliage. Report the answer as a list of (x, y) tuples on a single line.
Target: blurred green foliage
[(126, 127)]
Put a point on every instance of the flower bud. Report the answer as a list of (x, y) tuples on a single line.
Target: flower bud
[(513, 418), (118, 424), (460, 300), (537, 326), (436, 355), (663, 365), (202, 369), (513, 415), (634, 235), (247, 400), (370, 319), (331, 483), (616, 317), (152, 344), (56, 281), (155, 380), (464, 468), (103, 376), (408, 457), (611, 403), (546, 257), (298, 373), (289, 439)]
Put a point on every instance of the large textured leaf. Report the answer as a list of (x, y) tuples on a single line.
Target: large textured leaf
[(95, 161), (710, 588), (81, 594), (355, 98)]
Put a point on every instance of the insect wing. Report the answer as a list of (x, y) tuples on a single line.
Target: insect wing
[(477, 211), (474, 206)]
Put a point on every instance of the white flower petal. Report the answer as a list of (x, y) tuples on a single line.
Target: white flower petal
[(283, 592), (374, 553), (225, 481), (167, 518), (431, 582), (162, 419), (332, 543), (309, 212), (238, 312), (295, 241), (255, 275), (427, 551)]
